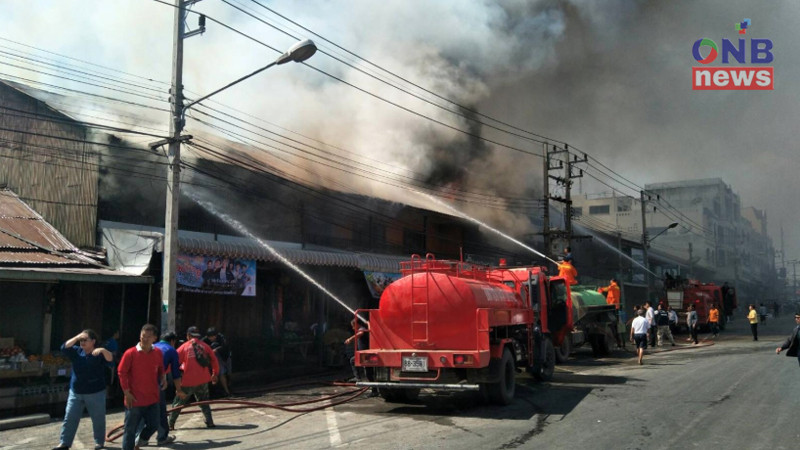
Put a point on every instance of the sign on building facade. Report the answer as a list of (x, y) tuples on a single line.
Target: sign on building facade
[(216, 275)]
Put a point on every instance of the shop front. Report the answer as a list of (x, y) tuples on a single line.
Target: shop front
[(41, 309), (285, 317), (49, 291)]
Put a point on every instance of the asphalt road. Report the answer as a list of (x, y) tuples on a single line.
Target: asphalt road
[(729, 393)]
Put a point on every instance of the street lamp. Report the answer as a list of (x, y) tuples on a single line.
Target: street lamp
[(670, 226), (299, 52)]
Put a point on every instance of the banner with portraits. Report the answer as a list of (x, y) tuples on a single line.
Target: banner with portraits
[(216, 275), (377, 281)]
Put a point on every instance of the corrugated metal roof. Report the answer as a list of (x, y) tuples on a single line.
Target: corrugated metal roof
[(82, 274), (17, 218), (362, 261), (41, 253), (253, 251), (380, 263), (33, 258)]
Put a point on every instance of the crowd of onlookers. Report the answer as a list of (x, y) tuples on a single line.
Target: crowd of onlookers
[(144, 373)]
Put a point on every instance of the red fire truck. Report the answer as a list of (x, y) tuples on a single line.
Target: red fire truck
[(703, 296), (451, 325)]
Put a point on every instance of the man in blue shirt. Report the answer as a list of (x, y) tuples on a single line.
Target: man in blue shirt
[(173, 371)]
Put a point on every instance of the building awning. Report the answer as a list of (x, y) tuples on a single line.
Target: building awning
[(380, 263), (251, 250), (130, 248), (56, 274), (300, 256)]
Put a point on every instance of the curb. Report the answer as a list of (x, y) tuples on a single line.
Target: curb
[(24, 421)]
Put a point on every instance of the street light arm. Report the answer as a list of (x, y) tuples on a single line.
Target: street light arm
[(298, 52), (657, 235), (228, 85), (670, 226)]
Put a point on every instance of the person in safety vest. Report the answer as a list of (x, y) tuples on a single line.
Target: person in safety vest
[(568, 271), (612, 293), (713, 320)]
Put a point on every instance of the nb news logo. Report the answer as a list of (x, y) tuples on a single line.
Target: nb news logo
[(751, 77)]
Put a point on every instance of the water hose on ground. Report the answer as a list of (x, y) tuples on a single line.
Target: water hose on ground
[(343, 397)]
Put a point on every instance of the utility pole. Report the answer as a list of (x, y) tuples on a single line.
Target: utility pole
[(783, 266), (566, 200), (568, 175), (691, 263), (546, 200), (174, 173), (168, 302), (794, 264), (644, 243)]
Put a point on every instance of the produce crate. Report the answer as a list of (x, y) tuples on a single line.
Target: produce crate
[(8, 397), (60, 371), (58, 392), (31, 366), (35, 389), (8, 402), (33, 400)]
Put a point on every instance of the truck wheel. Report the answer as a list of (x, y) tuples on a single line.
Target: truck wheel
[(483, 394), (606, 344), (502, 392), (390, 395), (594, 341), (563, 350), (544, 370)]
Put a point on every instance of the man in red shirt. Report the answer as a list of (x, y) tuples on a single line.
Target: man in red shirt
[(200, 366), (142, 377)]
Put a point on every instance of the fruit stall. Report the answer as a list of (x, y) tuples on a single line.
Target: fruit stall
[(30, 380)]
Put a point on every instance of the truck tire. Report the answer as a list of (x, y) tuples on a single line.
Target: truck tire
[(388, 394), (563, 351), (594, 341), (502, 392), (607, 344), (544, 371)]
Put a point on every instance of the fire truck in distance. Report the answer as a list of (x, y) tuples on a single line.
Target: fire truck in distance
[(451, 325), (681, 293)]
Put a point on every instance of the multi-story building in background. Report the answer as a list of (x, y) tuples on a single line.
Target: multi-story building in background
[(715, 235)]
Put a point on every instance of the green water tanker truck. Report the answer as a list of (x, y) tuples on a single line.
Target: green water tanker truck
[(595, 323)]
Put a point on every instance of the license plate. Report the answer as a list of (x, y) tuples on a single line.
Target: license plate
[(415, 364)]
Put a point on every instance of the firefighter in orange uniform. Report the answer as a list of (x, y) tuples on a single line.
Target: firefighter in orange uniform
[(568, 271), (612, 298), (612, 293)]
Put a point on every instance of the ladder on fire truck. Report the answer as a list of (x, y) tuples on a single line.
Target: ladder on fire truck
[(419, 300)]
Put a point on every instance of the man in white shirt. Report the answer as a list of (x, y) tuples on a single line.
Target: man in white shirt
[(650, 315), (639, 330), (673, 320)]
